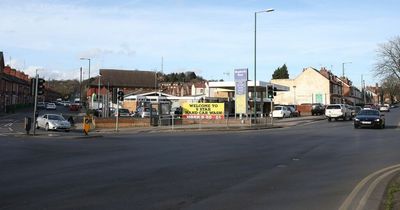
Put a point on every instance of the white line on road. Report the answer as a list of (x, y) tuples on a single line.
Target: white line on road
[(372, 187), (347, 203), (10, 129)]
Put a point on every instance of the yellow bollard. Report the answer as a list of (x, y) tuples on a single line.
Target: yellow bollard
[(86, 124)]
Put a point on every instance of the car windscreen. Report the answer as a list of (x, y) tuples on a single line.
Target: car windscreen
[(368, 112), (123, 111), (333, 107), (278, 108), (55, 117)]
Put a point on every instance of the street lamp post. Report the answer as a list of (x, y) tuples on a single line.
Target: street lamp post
[(255, 61), (343, 100), (98, 93), (89, 65), (343, 67)]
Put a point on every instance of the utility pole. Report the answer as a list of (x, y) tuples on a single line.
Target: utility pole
[(116, 118), (35, 105), (80, 86)]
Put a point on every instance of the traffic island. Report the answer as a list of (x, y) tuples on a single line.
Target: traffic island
[(391, 199)]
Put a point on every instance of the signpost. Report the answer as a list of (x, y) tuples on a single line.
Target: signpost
[(241, 92)]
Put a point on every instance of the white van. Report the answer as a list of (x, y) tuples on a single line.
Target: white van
[(336, 111)]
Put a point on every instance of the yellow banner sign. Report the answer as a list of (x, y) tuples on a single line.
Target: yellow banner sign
[(203, 110)]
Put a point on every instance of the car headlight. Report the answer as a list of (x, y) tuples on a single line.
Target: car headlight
[(377, 120), (356, 119)]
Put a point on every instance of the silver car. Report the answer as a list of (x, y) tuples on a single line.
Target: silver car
[(53, 122)]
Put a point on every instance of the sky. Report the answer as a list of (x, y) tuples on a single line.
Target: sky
[(211, 38)]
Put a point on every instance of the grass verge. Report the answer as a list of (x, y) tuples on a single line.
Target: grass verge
[(391, 195)]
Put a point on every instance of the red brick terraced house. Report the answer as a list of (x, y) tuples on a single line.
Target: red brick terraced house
[(15, 88)]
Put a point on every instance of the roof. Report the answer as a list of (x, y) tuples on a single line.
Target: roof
[(126, 78)]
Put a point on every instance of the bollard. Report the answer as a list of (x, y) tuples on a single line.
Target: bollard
[(28, 124)]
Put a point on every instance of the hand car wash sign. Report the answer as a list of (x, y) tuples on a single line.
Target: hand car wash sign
[(212, 111)]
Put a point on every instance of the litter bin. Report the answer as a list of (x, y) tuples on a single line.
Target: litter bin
[(154, 120)]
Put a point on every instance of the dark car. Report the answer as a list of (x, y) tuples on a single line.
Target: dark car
[(293, 110), (317, 109), (369, 118)]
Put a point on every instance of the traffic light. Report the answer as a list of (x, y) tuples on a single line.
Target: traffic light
[(275, 89), (40, 90), (33, 86), (270, 91), (114, 95), (120, 95)]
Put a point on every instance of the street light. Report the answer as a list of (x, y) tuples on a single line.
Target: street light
[(255, 60), (98, 93), (89, 65), (343, 67)]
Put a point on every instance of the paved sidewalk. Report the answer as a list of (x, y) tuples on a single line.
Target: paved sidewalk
[(278, 123)]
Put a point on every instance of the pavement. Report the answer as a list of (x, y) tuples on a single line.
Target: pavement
[(278, 123)]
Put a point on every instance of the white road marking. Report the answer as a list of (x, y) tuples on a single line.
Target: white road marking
[(372, 187), (386, 171), (10, 129)]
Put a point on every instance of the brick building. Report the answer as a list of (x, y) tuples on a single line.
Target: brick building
[(15, 87)]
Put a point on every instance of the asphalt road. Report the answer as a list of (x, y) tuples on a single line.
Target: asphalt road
[(314, 166), (13, 124)]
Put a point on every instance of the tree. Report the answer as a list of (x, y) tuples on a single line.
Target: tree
[(388, 59), (281, 73), (391, 86)]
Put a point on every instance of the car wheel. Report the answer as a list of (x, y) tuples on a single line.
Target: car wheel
[(67, 130), (47, 127), (37, 125), (356, 126), (329, 119)]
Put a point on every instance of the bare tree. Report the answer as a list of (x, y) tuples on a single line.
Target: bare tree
[(388, 59), (391, 87)]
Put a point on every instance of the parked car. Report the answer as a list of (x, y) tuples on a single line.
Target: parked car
[(369, 118), (281, 112), (74, 107), (176, 111), (317, 109), (384, 108), (51, 106), (53, 122), (336, 111), (41, 105), (144, 112), (293, 111), (122, 113)]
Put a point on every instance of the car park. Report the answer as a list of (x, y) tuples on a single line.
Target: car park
[(52, 122), (369, 118), (281, 112), (338, 111), (51, 106)]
